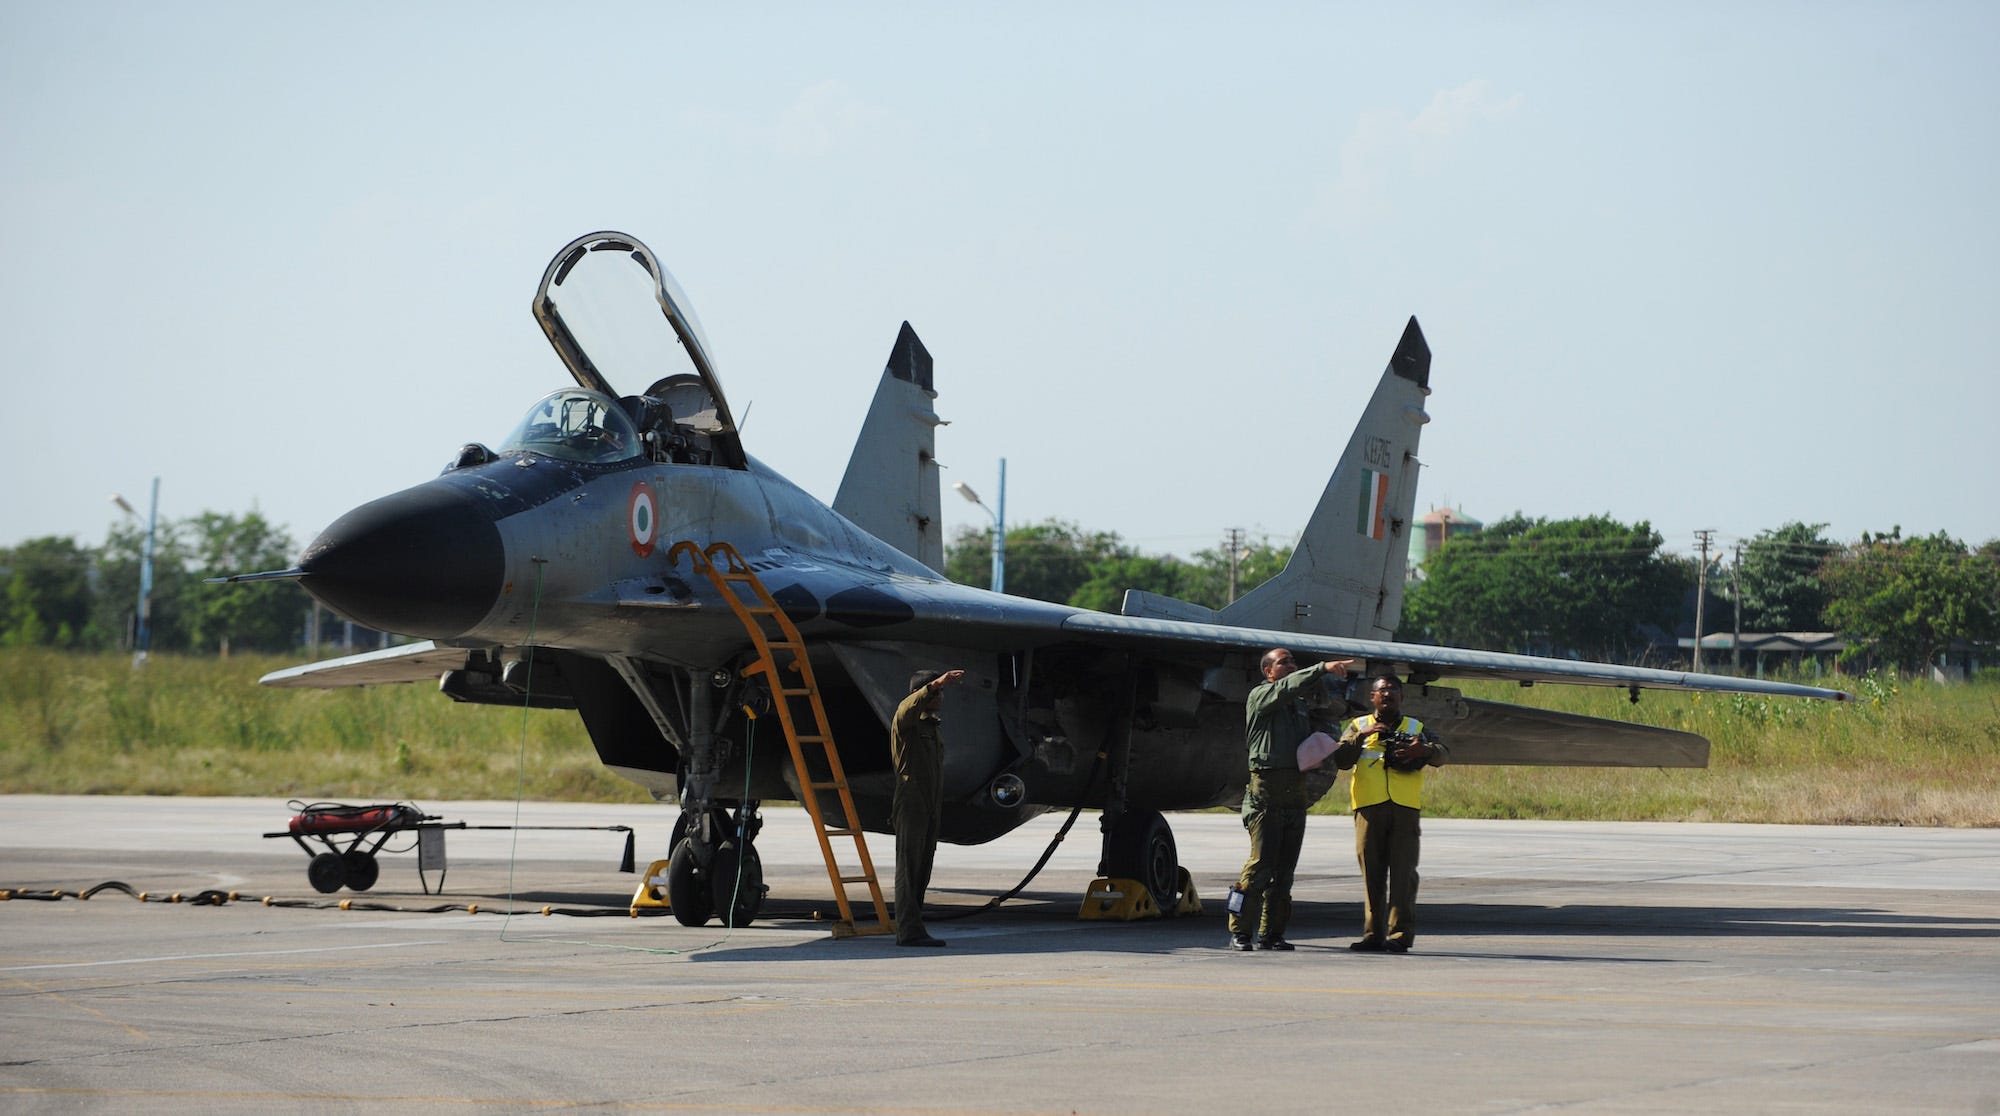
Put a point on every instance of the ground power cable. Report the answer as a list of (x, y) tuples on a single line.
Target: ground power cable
[(1047, 853), (215, 897)]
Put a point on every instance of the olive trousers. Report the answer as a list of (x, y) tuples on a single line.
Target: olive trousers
[(1386, 839), (916, 821), (1274, 811)]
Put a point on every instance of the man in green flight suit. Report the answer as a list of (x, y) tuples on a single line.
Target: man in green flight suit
[(1276, 721), (918, 751)]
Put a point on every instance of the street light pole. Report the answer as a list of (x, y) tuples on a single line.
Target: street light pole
[(1000, 534), (142, 635), (999, 525)]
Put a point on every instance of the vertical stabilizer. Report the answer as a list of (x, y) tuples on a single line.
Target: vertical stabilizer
[(891, 486), (1346, 574)]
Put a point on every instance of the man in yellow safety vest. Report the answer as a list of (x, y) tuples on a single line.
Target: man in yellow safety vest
[(1388, 753)]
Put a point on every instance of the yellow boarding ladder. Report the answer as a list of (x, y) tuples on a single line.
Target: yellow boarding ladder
[(781, 656)]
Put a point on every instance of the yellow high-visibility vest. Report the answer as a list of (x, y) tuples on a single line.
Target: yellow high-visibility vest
[(1374, 781)]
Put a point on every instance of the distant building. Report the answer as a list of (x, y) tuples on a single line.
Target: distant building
[(1440, 525), (1797, 653), (1815, 653)]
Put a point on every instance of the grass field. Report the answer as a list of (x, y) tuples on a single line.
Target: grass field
[(82, 724), (1906, 753)]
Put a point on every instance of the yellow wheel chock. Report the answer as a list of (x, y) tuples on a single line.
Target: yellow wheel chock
[(652, 891), (1116, 900)]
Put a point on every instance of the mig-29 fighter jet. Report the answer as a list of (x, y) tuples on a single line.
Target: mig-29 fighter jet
[(540, 572)]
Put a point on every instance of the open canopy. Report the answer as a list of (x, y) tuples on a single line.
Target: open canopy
[(624, 328)]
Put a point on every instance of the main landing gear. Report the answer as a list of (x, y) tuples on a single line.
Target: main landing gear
[(1139, 846)]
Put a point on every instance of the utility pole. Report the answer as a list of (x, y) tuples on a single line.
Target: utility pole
[(1700, 594), (1235, 544), (1736, 593)]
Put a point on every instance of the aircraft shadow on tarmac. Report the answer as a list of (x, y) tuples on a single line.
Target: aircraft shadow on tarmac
[(1034, 923), (1705, 921)]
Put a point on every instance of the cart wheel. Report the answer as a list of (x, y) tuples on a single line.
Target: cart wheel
[(362, 870), (327, 872)]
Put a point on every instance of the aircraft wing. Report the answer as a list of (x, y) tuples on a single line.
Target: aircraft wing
[(1420, 661), (412, 662)]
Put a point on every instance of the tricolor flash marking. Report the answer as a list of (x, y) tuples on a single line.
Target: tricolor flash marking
[(1374, 500)]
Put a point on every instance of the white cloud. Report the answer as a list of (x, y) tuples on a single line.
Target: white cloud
[(1452, 111), (822, 117), (1387, 145)]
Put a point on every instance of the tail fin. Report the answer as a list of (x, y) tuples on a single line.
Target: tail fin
[(1346, 574), (891, 486)]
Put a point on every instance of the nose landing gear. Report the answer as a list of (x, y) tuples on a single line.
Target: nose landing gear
[(714, 867)]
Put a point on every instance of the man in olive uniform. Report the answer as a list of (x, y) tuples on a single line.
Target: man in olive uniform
[(1276, 721), (918, 751), (1388, 752)]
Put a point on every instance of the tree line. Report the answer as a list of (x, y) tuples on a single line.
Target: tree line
[(56, 592), (1591, 587)]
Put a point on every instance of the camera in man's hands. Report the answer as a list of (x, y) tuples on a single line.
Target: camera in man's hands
[(1404, 751)]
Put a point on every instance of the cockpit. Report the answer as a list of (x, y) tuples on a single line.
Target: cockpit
[(615, 316), (618, 321), (673, 423), (576, 425)]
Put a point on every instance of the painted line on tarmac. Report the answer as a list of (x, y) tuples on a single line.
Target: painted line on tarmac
[(213, 956)]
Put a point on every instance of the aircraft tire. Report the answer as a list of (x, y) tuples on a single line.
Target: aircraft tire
[(362, 870), (1142, 848), (326, 872), (687, 886), (748, 893)]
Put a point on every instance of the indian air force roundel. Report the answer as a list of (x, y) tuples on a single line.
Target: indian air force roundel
[(642, 518)]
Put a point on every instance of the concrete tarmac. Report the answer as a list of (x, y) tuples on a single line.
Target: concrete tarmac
[(1619, 968)]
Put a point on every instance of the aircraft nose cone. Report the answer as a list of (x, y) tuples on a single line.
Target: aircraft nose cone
[(426, 561)]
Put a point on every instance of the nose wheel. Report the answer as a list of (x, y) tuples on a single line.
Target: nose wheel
[(707, 874), (687, 886), (736, 884)]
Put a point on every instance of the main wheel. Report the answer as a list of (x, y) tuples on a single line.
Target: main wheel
[(747, 892), (362, 870), (327, 872), (1142, 848), (687, 886)]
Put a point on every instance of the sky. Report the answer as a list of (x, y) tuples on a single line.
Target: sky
[(1707, 266)]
